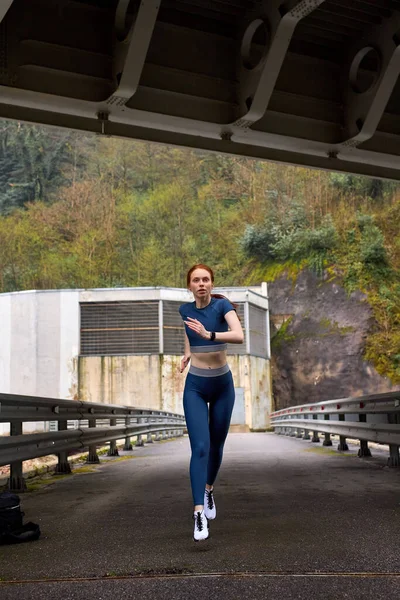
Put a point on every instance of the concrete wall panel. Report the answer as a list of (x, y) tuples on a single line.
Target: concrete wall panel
[(48, 345), (69, 344), (24, 344)]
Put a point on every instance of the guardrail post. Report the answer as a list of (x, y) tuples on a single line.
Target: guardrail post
[(158, 436), (342, 446), (327, 441), (139, 439), (63, 466), (364, 451), (315, 437), (299, 432), (149, 435), (292, 432), (394, 458), (113, 450), (16, 481), (93, 457), (127, 444), (164, 435)]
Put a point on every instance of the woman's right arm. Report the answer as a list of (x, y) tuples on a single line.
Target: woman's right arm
[(186, 357)]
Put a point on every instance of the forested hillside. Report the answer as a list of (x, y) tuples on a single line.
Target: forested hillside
[(88, 211)]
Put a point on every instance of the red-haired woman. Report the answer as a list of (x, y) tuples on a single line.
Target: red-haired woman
[(211, 323)]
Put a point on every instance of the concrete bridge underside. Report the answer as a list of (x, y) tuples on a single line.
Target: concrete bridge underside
[(309, 82)]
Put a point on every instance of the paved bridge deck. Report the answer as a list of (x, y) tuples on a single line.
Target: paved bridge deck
[(293, 520)]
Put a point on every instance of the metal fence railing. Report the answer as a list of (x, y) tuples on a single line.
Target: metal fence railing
[(80, 426), (373, 418)]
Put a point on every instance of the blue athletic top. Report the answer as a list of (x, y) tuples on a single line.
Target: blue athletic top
[(212, 317)]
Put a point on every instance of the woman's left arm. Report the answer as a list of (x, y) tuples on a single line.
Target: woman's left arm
[(234, 336)]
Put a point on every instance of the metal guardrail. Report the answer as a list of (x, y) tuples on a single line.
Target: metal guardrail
[(98, 424), (372, 418)]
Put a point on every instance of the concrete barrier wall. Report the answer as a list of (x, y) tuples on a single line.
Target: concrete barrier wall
[(154, 381)]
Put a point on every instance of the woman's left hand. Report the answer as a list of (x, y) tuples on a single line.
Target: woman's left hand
[(198, 328)]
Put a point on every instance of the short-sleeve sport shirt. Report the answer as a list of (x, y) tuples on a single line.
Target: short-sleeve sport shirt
[(212, 317)]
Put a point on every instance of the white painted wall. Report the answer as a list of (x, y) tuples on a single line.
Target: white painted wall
[(39, 355)]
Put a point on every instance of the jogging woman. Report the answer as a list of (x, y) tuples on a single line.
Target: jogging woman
[(210, 323)]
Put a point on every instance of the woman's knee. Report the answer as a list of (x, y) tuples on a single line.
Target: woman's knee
[(200, 449)]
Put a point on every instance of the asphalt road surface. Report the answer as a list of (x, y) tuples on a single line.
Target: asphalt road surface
[(294, 521)]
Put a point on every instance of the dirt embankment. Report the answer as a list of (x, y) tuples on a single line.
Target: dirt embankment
[(318, 351)]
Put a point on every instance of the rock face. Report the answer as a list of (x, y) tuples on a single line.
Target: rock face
[(317, 353)]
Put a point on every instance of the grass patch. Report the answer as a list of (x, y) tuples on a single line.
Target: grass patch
[(325, 450)]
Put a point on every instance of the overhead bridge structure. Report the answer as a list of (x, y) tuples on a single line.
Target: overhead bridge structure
[(310, 82)]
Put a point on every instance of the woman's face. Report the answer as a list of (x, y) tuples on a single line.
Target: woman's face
[(200, 283)]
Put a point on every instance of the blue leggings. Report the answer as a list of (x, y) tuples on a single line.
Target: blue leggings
[(207, 427)]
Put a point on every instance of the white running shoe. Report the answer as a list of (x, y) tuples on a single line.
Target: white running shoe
[(209, 505), (201, 531)]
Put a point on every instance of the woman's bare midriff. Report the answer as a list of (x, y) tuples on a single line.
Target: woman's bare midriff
[(208, 360)]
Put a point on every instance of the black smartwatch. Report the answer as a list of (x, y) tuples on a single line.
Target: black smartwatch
[(212, 335)]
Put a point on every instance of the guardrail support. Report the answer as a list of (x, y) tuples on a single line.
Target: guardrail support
[(139, 438), (158, 436), (299, 433), (113, 450), (63, 467), (127, 444), (16, 481), (364, 451), (306, 435), (93, 457), (342, 446), (394, 458), (315, 436), (327, 441)]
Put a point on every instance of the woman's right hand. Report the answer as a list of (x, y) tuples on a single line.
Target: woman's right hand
[(184, 362)]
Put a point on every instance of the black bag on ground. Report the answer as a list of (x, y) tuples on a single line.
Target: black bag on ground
[(12, 529)]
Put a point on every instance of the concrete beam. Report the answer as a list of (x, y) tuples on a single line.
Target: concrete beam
[(256, 89), (4, 6), (81, 115), (365, 105), (131, 52)]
